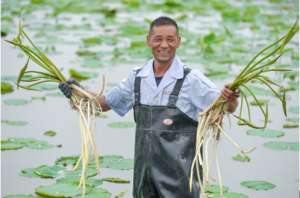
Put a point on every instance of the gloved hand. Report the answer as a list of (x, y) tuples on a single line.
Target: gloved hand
[(66, 89)]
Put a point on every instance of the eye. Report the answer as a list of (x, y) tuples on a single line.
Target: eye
[(157, 39)]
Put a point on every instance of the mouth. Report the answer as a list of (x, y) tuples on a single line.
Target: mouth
[(163, 52)]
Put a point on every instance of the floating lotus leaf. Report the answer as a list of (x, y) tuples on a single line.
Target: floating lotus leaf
[(291, 125), (66, 160), (9, 78), (60, 190), (85, 53), (294, 109), (292, 86), (137, 44), (28, 172), (43, 98), (76, 174), (90, 181), (20, 196), (215, 189), (55, 94), (16, 102), (6, 88), (91, 62), (293, 119), (124, 124), (81, 75), (39, 144), (97, 193), (31, 143), (267, 133), (280, 145), (228, 195), (241, 158), (90, 41), (130, 29), (7, 145), (50, 133), (14, 122), (46, 171), (45, 86), (116, 180), (116, 162), (121, 194), (258, 185)]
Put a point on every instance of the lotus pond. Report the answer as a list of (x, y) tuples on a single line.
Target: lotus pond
[(40, 138)]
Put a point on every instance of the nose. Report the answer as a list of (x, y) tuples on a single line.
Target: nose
[(164, 44)]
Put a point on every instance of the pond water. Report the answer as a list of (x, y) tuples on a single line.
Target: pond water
[(275, 166)]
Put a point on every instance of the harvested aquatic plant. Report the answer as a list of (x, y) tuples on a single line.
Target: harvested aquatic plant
[(210, 121), (82, 101)]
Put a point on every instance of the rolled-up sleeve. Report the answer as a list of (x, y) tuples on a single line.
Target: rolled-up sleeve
[(121, 97)]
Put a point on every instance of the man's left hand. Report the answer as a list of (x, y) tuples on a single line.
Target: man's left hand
[(231, 98)]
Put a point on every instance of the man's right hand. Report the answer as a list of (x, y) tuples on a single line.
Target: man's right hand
[(66, 89)]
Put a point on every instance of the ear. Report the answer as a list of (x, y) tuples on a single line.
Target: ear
[(148, 40), (178, 41)]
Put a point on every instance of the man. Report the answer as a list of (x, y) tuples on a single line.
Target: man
[(166, 97)]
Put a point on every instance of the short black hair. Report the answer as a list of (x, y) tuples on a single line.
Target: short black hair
[(163, 20)]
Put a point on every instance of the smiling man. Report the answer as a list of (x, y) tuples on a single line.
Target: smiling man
[(166, 97)]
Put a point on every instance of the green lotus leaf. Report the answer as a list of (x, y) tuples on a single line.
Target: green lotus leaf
[(90, 181), (20, 196), (121, 194), (46, 86), (241, 158), (43, 98), (91, 62), (294, 109), (215, 189), (280, 145), (14, 122), (16, 102), (97, 193), (90, 41), (59, 190), (228, 195), (81, 75), (28, 172), (291, 125), (55, 94), (46, 171), (258, 185), (266, 133), (67, 160), (50, 133), (6, 88), (116, 180), (76, 174), (31, 143), (116, 162), (124, 124), (7, 145)]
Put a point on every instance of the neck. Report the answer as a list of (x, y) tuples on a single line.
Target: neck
[(160, 68)]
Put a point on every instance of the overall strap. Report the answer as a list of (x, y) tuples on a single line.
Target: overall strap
[(137, 88), (174, 95)]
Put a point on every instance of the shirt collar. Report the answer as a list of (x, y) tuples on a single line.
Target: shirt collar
[(175, 70)]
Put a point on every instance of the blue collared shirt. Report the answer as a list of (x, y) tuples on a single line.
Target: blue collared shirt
[(196, 94)]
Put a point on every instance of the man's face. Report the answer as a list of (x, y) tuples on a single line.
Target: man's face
[(163, 40)]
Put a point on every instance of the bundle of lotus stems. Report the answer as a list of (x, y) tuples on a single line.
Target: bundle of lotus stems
[(81, 100), (210, 122)]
